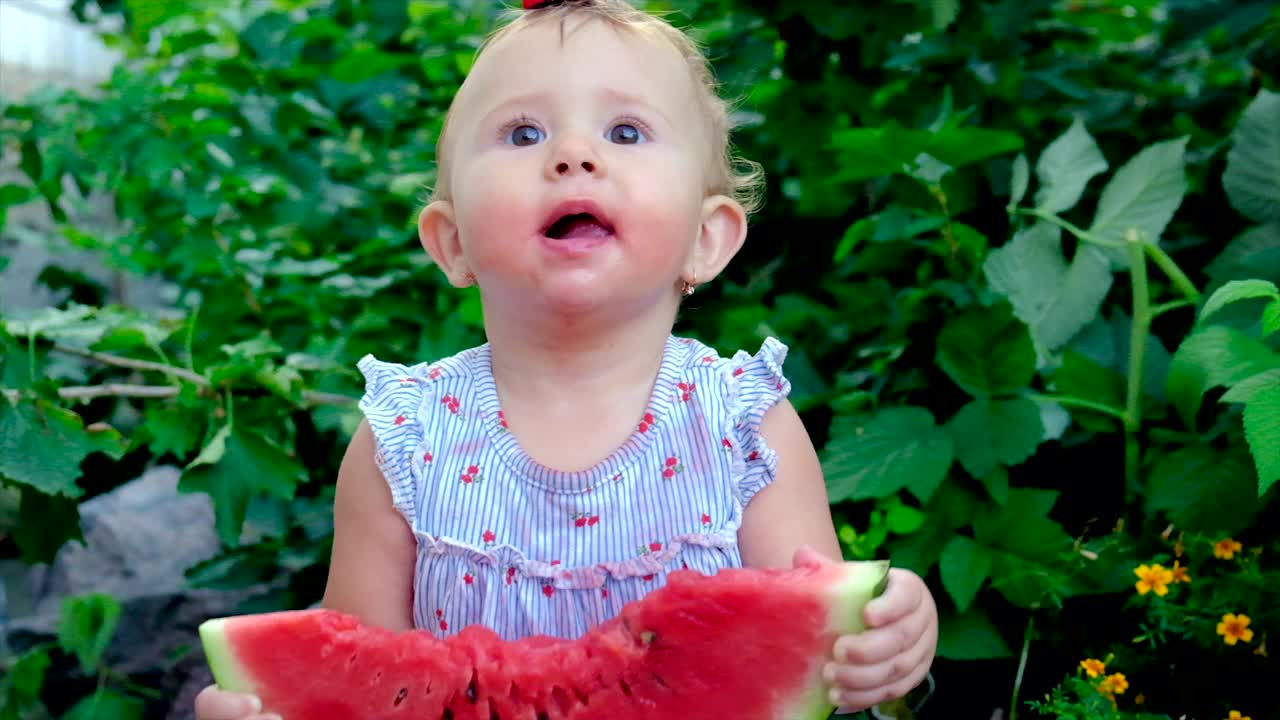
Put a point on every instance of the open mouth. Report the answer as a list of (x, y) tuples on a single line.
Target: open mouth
[(577, 222)]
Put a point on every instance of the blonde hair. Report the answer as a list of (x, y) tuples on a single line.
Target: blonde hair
[(730, 175)]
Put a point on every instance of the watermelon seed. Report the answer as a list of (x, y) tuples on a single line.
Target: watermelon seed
[(658, 679), (582, 695), (400, 696), (542, 715), (493, 713), (471, 688), (626, 689), (447, 714)]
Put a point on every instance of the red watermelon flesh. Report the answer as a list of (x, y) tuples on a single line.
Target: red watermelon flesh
[(746, 644)]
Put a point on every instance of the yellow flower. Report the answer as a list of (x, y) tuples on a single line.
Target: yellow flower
[(1235, 715), (1226, 548), (1139, 699), (1113, 684), (1180, 573), (1153, 577), (1234, 628), (1093, 667)]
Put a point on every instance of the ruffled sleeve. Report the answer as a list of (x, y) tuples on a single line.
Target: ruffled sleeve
[(392, 404), (757, 385)]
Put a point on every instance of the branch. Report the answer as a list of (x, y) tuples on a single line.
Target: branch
[(145, 365), (85, 393)]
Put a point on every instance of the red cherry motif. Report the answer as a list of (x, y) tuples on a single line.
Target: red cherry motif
[(502, 420), (727, 445), (646, 422), (647, 578), (511, 575), (737, 372), (604, 592), (655, 546), (468, 579), (471, 475), (580, 522), (444, 625), (755, 455), (686, 390), (427, 457), (435, 373), (671, 467), (489, 536), (399, 420), (451, 402), (547, 590), (708, 359), (593, 520), (555, 562), (439, 612), (408, 381), (706, 519)]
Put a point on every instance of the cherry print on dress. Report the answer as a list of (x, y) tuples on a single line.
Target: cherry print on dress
[(511, 575), (686, 390), (671, 468), (706, 519), (400, 420), (548, 590), (427, 457), (502, 420), (468, 579), (472, 475), (434, 373), (585, 519), (488, 538), (451, 402), (646, 422)]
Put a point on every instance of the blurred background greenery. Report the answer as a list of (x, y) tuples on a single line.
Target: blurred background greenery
[(225, 223)]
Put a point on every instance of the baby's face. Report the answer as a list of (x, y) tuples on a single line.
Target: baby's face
[(577, 169)]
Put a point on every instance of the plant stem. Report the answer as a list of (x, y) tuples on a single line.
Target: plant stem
[(1022, 667), (133, 364), (1170, 268), (1069, 401), (1163, 308), (1083, 235), (1139, 329)]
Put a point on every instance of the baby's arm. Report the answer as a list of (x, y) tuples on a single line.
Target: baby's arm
[(370, 570), (892, 657), (793, 509)]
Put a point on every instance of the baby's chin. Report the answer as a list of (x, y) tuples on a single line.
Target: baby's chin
[(584, 295)]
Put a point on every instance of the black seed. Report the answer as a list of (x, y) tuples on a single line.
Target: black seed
[(446, 715), (400, 696), (626, 689), (471, 689), (542, 715), (660, 681)]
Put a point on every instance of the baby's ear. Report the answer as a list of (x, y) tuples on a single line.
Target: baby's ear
[(438, 233), (720, 236)]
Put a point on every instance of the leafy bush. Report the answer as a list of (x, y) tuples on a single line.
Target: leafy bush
[(1025, 253)]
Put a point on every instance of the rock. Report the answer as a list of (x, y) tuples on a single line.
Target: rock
[(140, 539)]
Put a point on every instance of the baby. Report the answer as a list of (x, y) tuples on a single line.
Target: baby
[(537, 483)]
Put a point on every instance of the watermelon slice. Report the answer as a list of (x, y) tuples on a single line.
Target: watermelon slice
[(743, 644)]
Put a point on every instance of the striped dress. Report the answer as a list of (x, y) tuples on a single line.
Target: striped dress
[(523, 549)]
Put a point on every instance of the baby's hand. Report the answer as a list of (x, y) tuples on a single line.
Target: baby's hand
[(215, 704), (891, 657)]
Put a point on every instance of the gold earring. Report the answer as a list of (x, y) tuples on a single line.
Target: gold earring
[(687, 288), (468, 278)]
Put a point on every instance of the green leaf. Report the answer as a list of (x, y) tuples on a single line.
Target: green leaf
[(233, 466), (945, 12), (1080, 377), (1251, 387), (1201, 489), (1235, 291), (987, 351), (42, 445), (1142, 196), (1053, 298), (951, 507), (45, 524), (20, 688), (997, 484), (1255, 253), (970, 636), (1262, 430), (965, 566), (1213, 357), (1018, 181), (1065, 168), (875, 456), (903, 519), (987, 433), (171, 431), (1252, 177), (1271, 318), (86, 626), (106, 703), (1026, 546)]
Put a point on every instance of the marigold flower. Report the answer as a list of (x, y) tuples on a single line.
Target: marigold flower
[(1113, 684), (1180, 573), (1226, 548), (1235, 715), (1153, 577), (1093, 667), (1234, 628)]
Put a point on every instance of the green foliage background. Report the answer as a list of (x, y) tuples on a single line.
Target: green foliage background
[(975, 211)]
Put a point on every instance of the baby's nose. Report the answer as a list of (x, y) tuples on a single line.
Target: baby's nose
[(563, 168)]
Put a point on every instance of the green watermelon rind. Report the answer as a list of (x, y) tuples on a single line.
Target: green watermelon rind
[(222, 661), (863, 582)]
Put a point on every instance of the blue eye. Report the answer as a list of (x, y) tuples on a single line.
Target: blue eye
[(525, 135), (625, 134)]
